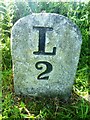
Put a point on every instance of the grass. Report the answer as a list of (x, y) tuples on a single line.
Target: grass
[(37, 108), (0, 83)]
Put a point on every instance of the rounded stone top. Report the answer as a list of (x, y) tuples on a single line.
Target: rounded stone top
[(48, 19)]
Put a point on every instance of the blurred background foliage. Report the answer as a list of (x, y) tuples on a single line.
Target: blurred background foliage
[(79, 13)]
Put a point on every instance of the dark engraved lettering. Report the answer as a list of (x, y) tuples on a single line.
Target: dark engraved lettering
[(42, 39), (48, 69)]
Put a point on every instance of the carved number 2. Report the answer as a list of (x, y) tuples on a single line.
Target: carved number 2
[(48, 69)]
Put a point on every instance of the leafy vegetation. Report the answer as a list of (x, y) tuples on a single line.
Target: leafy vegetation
[(18, 107)]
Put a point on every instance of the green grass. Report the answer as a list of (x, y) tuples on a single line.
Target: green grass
[(0, 83), (18, 107)]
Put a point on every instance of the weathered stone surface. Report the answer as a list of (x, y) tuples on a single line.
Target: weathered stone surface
[(49, 43)]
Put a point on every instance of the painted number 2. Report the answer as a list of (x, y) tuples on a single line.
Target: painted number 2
[(48, 69)]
